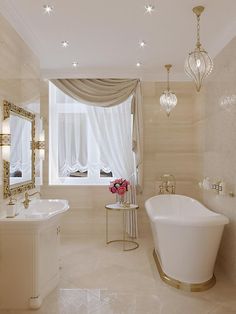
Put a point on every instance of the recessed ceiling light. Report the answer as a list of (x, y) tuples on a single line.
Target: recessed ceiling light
[(48, 9), (138, 64), (149, 8), (142, 44), (65, 43), (75, 64)]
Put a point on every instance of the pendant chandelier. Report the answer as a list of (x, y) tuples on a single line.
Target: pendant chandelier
[(168, 99), (198, 64)]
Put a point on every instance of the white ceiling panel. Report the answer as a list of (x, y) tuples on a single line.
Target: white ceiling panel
[(104, 35)]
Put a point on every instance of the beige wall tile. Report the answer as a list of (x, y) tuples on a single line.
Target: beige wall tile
[(219, 149), (19, 76)]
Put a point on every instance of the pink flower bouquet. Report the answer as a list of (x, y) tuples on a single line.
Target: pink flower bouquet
[(119, 186)]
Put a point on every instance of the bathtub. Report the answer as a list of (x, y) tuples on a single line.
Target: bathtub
[(186, 237)]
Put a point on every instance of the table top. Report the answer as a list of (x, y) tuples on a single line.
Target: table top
[(118, 206)]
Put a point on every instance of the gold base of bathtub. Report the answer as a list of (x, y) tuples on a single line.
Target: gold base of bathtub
[(193, 287)]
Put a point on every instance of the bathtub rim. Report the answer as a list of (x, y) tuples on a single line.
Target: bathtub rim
[(213, 219), (195, 221), (181, 285)]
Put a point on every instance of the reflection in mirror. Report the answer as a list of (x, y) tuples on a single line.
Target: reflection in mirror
[(21, 153), (19, 173)]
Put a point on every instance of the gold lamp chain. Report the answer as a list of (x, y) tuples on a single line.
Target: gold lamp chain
[(198, 32), (198, 11), (168, 79), (168, 66)]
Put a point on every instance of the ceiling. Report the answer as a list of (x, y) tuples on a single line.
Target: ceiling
[(104, 35)]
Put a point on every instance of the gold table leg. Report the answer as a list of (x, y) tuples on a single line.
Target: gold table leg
[(124, 231), (107, 226)]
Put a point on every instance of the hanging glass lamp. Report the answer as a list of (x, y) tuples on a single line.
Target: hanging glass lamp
[(198, 64), (168, 99)]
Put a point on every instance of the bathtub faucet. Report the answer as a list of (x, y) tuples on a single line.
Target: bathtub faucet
[(168, 184)]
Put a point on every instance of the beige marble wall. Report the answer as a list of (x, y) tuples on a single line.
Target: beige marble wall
[(19, 76), (217, 138), (170, 146)]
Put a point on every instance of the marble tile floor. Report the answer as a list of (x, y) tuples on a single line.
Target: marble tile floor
[(100, 279)]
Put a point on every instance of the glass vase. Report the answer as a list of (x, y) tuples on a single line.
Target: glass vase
[(120, 199)]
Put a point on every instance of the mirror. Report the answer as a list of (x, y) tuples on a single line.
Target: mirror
[(19, 173)]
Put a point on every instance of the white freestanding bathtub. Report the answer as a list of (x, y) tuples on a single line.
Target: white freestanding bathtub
[(186, 236)]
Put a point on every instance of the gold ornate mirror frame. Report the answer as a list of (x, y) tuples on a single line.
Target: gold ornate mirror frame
[(16, 189)]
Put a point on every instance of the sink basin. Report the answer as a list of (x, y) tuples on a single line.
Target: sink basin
[(40, 210)]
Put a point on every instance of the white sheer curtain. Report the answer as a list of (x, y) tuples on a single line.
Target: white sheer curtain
[(20, 147), (73, 143), (89, 138), (112, 131), (16, 148)]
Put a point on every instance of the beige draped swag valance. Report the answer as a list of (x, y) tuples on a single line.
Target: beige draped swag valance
[(107, 93)]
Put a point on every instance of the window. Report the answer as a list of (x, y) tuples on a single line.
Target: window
[(87, 144)]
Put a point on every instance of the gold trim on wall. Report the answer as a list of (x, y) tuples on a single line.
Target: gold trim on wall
[(5, 139), (192, 287), (16, 189), (40, 145)]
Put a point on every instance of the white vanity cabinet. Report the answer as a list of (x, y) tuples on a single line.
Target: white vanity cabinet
[(29, 263), (48, 259), (29, 259)]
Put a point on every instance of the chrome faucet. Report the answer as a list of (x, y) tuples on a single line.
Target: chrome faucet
[(168, 184), (27, 200)]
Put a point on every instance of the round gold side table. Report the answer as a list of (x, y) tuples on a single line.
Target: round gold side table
[(124, 209)]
